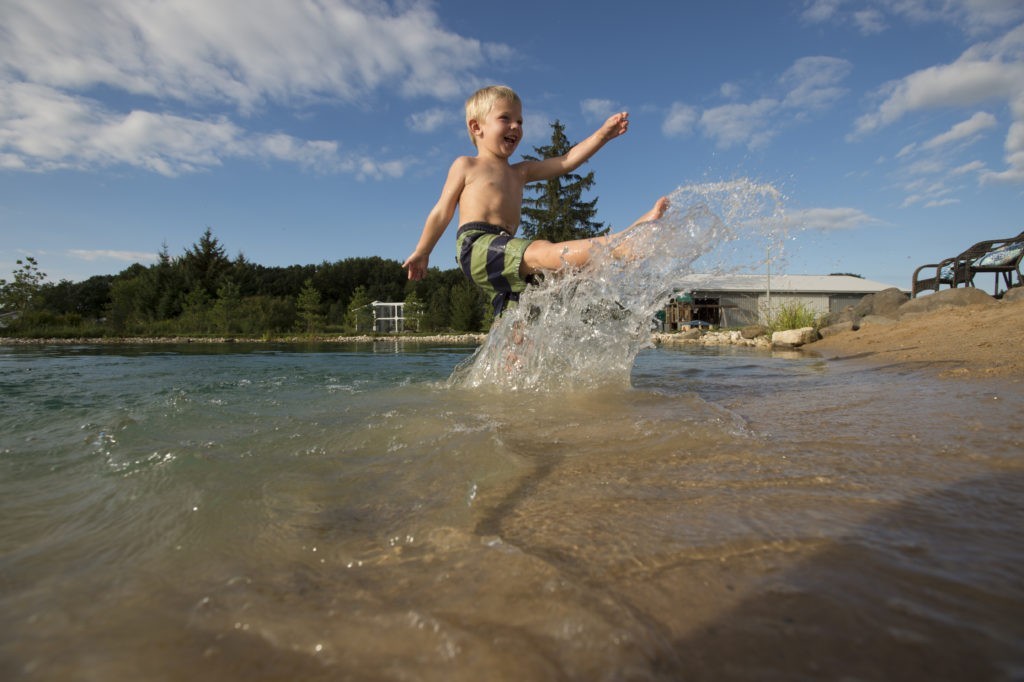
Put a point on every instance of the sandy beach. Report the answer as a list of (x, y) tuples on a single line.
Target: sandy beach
[(967, 342)]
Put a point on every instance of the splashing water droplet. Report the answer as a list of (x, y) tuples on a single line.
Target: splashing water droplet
[(581, 329)]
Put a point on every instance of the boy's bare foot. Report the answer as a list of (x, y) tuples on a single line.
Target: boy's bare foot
[(658, 210)]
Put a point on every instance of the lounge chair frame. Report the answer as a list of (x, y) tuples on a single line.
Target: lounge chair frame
[(960, 270)]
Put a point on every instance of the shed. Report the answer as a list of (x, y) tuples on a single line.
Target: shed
[(736, 300)]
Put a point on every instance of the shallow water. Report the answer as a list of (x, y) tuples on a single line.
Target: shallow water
[(261, 513)]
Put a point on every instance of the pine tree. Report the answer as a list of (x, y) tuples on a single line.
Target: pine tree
[(311, 318), (413, 312), (466, 308), (559, 213), (205, 263), (360, 312)]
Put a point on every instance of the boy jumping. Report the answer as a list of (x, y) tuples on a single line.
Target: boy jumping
[(489, 193)]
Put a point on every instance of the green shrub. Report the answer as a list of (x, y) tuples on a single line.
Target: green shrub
[(791, 315)]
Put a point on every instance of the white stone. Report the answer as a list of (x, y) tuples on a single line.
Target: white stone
[(794, 337)]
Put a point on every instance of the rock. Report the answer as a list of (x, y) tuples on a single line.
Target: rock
[(1014, 294), (840, 317), (885, 303), (692, 334), (752, 331), (794, 338), (837, 328), (962, 296)]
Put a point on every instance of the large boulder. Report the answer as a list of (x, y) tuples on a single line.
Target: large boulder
[(885, 303), (947, 298), (840, 317)]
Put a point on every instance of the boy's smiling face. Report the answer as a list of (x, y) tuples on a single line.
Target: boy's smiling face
[(501, 130)]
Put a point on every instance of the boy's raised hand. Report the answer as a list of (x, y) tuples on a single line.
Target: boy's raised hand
[(617, 124)]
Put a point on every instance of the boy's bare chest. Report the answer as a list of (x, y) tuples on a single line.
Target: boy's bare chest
[(497, 186)]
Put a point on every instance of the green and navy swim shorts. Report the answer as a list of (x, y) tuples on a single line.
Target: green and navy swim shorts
[(490, 257)]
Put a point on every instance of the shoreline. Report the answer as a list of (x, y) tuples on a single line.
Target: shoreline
[(980, 339)]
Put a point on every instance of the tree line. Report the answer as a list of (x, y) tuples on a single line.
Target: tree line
[(204, 292)]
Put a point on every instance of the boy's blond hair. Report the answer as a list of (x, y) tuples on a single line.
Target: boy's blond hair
[(480, 102)]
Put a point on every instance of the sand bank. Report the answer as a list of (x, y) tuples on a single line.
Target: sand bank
[(985, 340)]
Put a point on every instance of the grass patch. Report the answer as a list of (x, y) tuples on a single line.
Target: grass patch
[(791, 315)]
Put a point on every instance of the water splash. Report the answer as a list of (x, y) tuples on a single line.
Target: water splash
[(584, 328)]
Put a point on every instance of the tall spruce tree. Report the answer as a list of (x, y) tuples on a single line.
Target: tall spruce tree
[(558, 212)]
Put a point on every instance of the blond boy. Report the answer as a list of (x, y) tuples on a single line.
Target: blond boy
[(488, 191)]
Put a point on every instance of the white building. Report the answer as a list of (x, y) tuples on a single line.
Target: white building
[(388, 317), (736, 300)]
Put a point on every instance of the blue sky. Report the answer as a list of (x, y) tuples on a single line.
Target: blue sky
[(303, 131)]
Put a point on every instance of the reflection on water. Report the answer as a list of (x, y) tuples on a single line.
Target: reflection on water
[(335, 515)]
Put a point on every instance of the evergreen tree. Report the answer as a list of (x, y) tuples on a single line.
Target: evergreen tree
[(466, 310), (558, 212), (205, 263), (360, 312), (438, 311), (227, 308), (195, 313), (311, 317), (413, 311)]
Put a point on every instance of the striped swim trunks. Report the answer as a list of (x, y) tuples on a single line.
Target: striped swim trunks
[(490, 257)]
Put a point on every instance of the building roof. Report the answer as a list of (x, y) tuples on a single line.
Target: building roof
[(806, 284)]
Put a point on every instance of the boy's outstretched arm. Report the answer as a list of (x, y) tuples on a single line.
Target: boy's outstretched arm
[(437, 220), (545, 169)]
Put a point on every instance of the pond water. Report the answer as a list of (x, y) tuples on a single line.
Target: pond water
[(345, 513)]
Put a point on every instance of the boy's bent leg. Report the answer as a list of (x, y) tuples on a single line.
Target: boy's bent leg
[(543, 255)]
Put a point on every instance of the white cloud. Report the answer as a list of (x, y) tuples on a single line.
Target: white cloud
[(45, 129), (680, 120), (730, 91), (959, 84), (221, 62), (963, 130), (971, 16), (811, 84), (970, 167), (430, 120), (105, 254), (599, 109), (1014, 147), (828, 219), (818, 11), (870, 21), (734, 124), (986, 72)]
